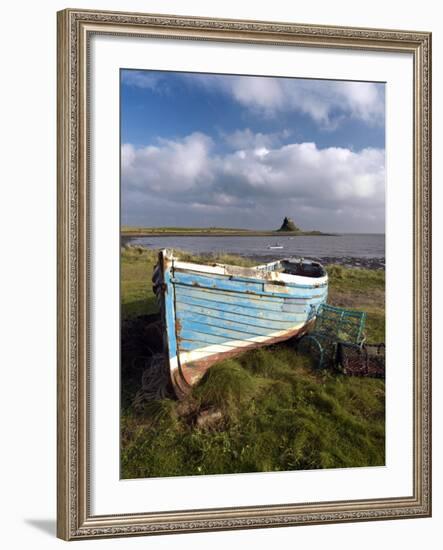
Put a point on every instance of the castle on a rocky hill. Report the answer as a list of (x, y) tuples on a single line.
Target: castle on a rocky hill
[(288, 225)]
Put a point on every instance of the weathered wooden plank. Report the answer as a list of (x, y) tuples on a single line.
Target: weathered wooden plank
[(251, 301), (231, 308), (200, 281), (227, 301), (192, 345), (169, 314), (231, 316), (216, 294), (191, 333), (225, 333)]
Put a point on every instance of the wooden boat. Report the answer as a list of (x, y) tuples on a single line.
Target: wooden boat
[(212, 312)]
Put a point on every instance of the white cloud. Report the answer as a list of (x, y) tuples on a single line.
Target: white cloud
[(327, 102), (170, 166), (318, 184), (246, 139), (143, 79)]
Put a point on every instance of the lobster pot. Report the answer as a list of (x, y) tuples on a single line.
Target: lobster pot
[(366, 360)]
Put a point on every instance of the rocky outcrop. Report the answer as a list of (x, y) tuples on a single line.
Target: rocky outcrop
[(288, 225)]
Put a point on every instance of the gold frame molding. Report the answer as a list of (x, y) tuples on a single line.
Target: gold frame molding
[(75, 27)]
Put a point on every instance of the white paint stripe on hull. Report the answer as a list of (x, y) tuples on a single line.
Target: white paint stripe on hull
[(213, 349)]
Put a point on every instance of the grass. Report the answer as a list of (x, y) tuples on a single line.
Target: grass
[(137, 298), (362, 289), (127, 231), (271, 410)]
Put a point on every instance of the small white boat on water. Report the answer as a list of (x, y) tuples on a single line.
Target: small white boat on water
[(276, 246)]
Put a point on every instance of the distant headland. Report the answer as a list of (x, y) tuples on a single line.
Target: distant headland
[(288, 228)]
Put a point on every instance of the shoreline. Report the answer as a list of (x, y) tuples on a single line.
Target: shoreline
[(376, 263), (141, 234)]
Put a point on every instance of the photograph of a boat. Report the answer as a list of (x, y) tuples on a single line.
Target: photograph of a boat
[(213, 312), (275, 246)]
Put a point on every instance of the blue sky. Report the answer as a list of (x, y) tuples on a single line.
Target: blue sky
[(244, 151)]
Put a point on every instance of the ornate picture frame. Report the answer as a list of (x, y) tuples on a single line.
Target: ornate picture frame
[(75, 29)]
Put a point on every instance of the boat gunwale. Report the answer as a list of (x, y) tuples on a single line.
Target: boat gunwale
[(258, 273), (277, 290)]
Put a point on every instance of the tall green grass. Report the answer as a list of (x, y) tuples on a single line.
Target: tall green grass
[(278, 415)]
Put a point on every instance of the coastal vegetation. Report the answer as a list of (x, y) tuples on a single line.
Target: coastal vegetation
[(130, 231), (267, 410), (288, 227)]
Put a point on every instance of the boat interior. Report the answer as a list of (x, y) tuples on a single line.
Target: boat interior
[(297, 266), (302, 267)]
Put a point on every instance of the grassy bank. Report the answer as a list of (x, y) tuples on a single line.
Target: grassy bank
[(129, 230), (208, 232), (265, 411)]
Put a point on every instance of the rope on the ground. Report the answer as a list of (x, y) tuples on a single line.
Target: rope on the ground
[(155, 382)]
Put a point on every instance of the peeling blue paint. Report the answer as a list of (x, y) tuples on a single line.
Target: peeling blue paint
[(227, 312)]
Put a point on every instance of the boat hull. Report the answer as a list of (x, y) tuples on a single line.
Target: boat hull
[(212, 313), (189, 372)]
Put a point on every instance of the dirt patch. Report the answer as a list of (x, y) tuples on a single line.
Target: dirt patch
[(209, 419), (357, 299)]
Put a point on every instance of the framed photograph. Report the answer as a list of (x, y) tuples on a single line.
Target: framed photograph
[(244, 291)]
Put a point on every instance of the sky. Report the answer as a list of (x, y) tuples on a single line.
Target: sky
[(207, 150)]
